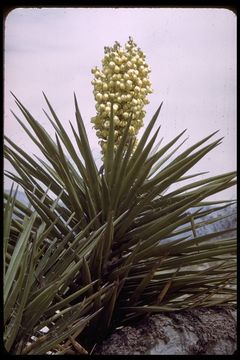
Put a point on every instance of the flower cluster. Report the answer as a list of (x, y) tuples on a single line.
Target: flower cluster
[(123, 83)]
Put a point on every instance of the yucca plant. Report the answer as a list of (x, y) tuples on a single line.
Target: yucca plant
[(100, 248)]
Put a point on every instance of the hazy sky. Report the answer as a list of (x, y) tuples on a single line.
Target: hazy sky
[(192, 54)]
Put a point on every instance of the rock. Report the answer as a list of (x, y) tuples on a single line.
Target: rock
[(202, 331)]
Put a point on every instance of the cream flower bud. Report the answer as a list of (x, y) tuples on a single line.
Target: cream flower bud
[(115, 107), (102, 107), (105, 133), (105, 86), (118, 60), (99, 97), (123, 124), (111, 84), (107, 71), (98, 74), (125, 115), (120, 51), (145, 72), (131, 130), (104, 146), (116, 120), (111, 64), (129, 84), (107, 124), (105, 96), (117, 69), (98, 82), (93, 71), (134, 101)]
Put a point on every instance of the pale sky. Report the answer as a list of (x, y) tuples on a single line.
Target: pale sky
[(192, 54)]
